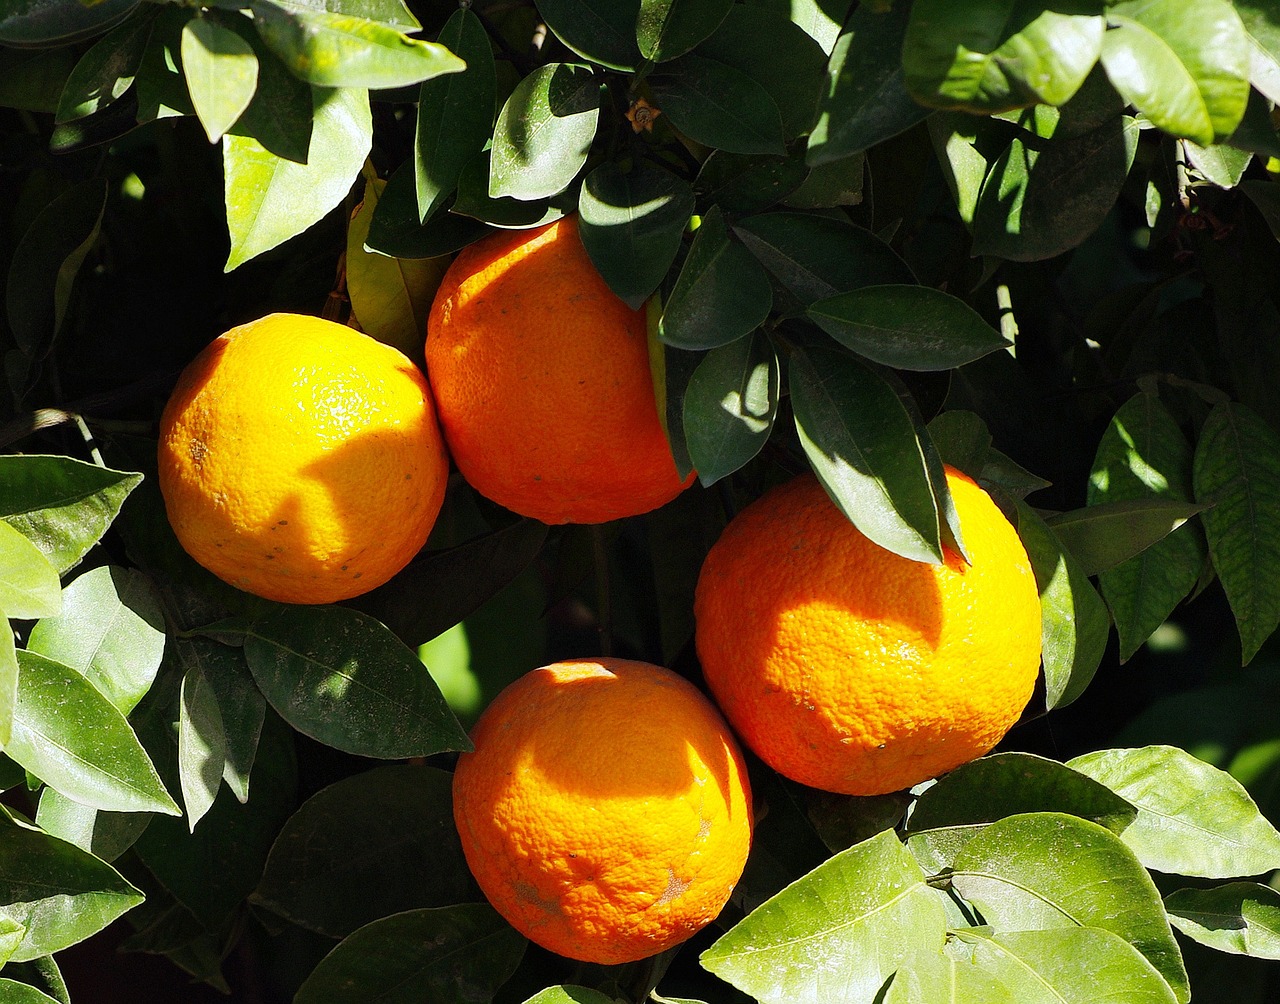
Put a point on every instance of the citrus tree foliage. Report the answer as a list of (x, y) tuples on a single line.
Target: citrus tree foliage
[(1034, 241)]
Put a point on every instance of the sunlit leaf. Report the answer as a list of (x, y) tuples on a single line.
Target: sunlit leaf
[(1242, 918), (730, 405)]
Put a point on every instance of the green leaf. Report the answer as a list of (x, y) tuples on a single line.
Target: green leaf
[(110, 630), (1193, 819), (666, 29), (57, 892), (1263, 29), (202, 745), (37, 24), (864, 446), (1242, 918), (455, 113), (105, 72), (1047, 870), (1184, 65), (221, 70), (544, 131), (71, 737), (573, 995), (13, 992), (832, 184), (964, 802), (473, 199), (45, 265), (395, 230), (241, 706), (603, 31), (354, 852), (964, 160), (995, 55), (279, 118), (392, 13), (43, 974), (866, 99), (1223, 165), (1074, 621), (450, 955), (962, 440), (270, 199), (837, 934), (8, 680), (342, 678), (33, 80), (721, 294), (161, 90), (631, 224), (335, 50), (1237, 474), (1103, 535), (747, 183), (907, 327), (730, 406), (718, 106), (816, 257), (1083, 965), (1143, 455), (105, 835), (29, 585)]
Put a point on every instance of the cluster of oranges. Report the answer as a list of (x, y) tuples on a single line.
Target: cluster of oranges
[(606, 810)]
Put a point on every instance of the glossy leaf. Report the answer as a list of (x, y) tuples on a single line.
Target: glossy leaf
[(1102, 536), (396, 231), (13, 992), (34, 23), (863, 445), (279, 119), (1236, 474), (573, 995), (451, 954), (907, 327), (866, 100), (270, 199), (391, 13), (354, 852), (962, 803), (455, 113), (342, 678), (221, 70), (105, 835), (1074, 621), (11, 933), (997, 55), (1143, 454), (71, 737), (29, 585), (544, 131), (110, 630), (1263, 29), (8, 680), (603, 31), (962, 440), (473, 199), (631, 224), (1193, 819), (1223, 165), (964, 164), (717, 105), (837, 934), (202, 745), (105, 72), (666, 29), (1185, 67), (57, 892), (335, 50), (721, 294), (730, 405), (241, 706), (1242, 918)]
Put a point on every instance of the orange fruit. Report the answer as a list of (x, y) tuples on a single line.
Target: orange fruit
[(542, 380), (851, 669), (301, 460), (605, 811)]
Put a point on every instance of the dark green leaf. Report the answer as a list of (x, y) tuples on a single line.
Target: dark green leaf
[(354, 852), (474, 200), (747, 183), (110, 630), (717, 105), (43, 974), (29, 585), (455, 113), (831, 184), (1237, 474), (1242, 918), (866, 99), (336, 50), (603, 31), (396, 231), (837, 934), (161, 90), (33, 79), (815, 257), (1048, 870), (671, 378), (863, 444), (71, 737), (58, 892), (576, 995), (449, 955), (345, 680), (631, 224), (241, 706), (666, 29), (202, 745), (730, 405), (995, 55), (105, 835), (907, 327), (105, 72), (965, 801), (544, 132), (962, 439), (1074, 621), (1185, 66), (279, 118), (1102, 536), (1193, 819), (221, 70), (35, 23), (1002, 473), (722, 292)]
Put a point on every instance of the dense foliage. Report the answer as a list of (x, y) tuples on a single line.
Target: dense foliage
[(1034, 241)]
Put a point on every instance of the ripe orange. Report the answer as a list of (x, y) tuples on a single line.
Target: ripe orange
[(850, 669), (301, 460), (542, 380), (605, 811)]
